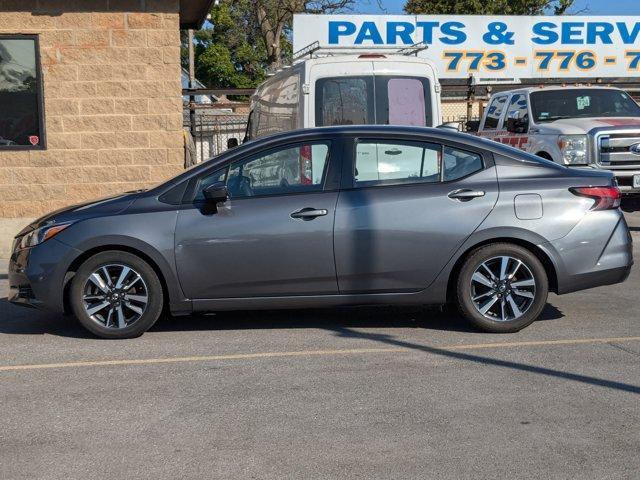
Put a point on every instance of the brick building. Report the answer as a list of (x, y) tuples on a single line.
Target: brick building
[(90, 100)]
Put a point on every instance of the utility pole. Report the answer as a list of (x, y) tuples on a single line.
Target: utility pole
[(192, 85)]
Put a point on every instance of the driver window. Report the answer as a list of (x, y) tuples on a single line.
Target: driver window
[(294, 169), (518, 114), (494, 112)]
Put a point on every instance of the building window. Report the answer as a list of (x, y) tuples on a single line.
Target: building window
[(21, 108)]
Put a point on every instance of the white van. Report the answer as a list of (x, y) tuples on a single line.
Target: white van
[(347, 89)]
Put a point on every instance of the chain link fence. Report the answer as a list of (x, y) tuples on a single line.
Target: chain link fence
[(461, 112), (214, 132)]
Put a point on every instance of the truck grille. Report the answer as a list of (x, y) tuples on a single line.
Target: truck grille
[(614, 150)]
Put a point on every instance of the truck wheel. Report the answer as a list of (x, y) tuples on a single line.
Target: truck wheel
[(116, 294), (502, 288)]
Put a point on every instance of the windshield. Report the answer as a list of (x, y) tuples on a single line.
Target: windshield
[(551, 105)]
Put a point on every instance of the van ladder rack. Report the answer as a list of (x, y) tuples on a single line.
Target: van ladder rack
[(314, 47), (413, 49), (308, 50)]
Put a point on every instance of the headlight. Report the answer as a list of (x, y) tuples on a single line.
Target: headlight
[(575, 149), (42, 234)]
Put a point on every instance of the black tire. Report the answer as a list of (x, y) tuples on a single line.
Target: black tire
[(489, 253), (152, 284)]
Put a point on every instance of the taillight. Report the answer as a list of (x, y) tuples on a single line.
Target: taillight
[(606, 198), (306, 168)]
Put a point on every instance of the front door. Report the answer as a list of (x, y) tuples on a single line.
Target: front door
[(273, 237), (410, 207)]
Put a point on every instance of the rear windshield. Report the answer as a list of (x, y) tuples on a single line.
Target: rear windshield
[(366, 100), (551, 105)]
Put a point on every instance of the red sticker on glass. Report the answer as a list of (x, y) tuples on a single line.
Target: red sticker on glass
[(34, 139)]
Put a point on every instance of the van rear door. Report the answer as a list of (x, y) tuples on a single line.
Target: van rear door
[(361, 92), (342, 93)]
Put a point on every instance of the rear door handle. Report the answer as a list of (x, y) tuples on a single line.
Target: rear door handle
[(466, 194), (309, 213)]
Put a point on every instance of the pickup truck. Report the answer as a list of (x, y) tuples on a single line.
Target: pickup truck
[(587, 127)]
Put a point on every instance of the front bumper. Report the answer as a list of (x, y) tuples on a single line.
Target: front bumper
[(37, 275)]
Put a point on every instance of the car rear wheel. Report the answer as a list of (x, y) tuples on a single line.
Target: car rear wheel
[(502, 288), (116, 294)]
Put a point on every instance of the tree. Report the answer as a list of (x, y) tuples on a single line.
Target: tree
[(250, 37), (274, 18), (484, 7), (232, 53)]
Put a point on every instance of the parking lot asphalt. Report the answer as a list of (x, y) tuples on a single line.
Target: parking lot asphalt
[(350, 393)]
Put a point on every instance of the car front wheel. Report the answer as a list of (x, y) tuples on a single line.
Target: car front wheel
[(116, 294), (502, 288)]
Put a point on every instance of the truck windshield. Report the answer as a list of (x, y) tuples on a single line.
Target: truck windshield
[(381, 100), (551, 105)]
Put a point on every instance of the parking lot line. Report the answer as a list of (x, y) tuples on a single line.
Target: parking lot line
[(308, 353)]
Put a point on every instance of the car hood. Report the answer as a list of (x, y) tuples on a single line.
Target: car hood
[(576, 126), (111, 205)]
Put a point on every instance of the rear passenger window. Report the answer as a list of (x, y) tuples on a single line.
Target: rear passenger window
[(395, 163), (458, 163), (494, 112)]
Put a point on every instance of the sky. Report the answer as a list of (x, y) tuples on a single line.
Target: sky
[(585, 7)]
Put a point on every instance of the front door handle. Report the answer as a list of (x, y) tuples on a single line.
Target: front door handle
[(309, 213), (466, 194)]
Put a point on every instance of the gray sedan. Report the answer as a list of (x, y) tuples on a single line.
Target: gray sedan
[(331, 217)]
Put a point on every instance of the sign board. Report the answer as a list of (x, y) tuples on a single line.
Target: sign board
[(489, 46)]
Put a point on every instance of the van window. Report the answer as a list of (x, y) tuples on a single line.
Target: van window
[(344, 101), (277, 107), (406, 102), (494, 112), (363, 101)]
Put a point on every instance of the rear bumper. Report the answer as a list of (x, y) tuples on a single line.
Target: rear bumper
[(37, 275), (585, 281), (597, 252)]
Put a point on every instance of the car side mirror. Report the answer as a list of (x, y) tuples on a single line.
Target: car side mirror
[(216, 193)]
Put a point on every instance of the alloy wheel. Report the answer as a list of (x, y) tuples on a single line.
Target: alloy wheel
[(503, 288), (115, 296)]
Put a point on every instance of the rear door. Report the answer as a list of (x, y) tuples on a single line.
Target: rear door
[(365, 93), (405, 208), (342, 94)]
